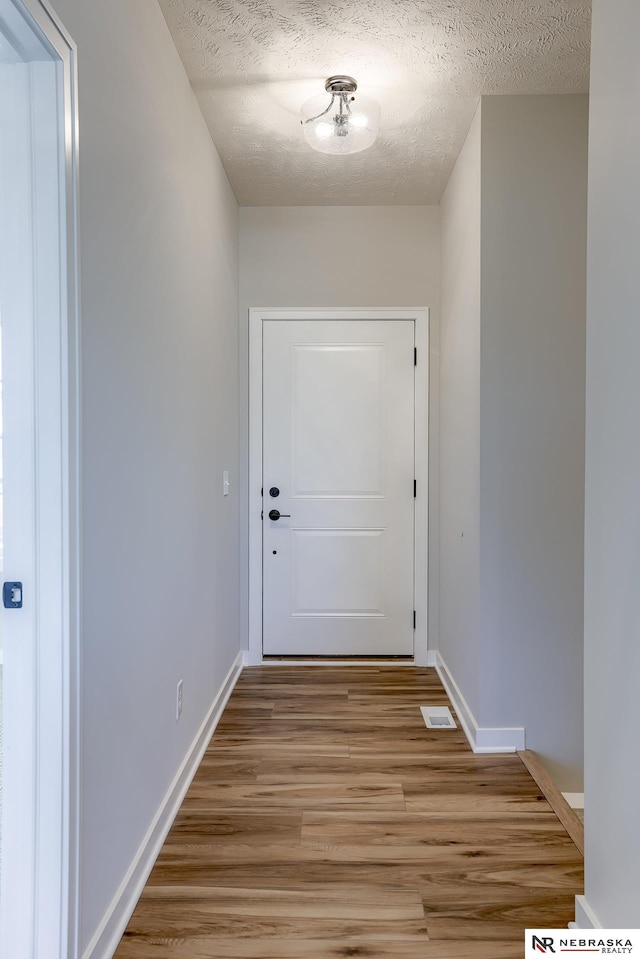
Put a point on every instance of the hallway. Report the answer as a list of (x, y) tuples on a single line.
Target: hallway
[(326, 820)]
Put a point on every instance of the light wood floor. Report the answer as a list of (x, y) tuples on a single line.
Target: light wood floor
[(326, 821)]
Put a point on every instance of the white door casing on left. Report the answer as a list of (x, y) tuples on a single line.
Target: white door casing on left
[(338, 444), (39, 303)]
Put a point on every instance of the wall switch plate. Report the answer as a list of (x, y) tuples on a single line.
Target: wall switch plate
[(225, 483), (179, 700)]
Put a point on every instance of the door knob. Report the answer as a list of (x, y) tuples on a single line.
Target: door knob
[(275, 514)]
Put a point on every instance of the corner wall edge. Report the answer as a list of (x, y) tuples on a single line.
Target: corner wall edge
[(482, 739)]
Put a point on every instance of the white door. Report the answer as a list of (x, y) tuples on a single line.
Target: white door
[(338, 446)]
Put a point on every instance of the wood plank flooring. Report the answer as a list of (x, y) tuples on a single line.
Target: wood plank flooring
[(327, 821)]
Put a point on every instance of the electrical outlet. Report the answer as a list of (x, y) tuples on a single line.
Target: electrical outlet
[(179, 700)]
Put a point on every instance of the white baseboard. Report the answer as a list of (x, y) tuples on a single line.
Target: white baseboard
[(105, 941), (575, 800), (432, 657), (482, 739), (585, 916)]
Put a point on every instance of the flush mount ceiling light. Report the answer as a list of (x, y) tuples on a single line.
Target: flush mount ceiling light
[(347, 124)]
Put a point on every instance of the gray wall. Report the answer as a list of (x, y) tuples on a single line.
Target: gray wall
[(159, 262), (534, 207), (516, 652), (344, 257), (460, 420), (612, 554)]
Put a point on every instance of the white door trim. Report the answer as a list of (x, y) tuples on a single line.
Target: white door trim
[(257, 316), (40, 882)]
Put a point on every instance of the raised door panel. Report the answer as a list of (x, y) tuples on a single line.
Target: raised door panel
[(338, 572), (337, 420)]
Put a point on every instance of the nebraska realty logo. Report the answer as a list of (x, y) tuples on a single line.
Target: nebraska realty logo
[(582, 942)]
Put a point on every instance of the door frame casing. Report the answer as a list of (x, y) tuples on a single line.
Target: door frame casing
[(257, 318), (41, 882)]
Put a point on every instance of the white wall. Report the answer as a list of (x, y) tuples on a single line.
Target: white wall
[(534, 208), (612, 535), (159, 359), (460, 419), (512, 428), (342, 257)]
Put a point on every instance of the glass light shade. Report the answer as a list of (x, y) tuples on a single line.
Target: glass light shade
[(348, 130)]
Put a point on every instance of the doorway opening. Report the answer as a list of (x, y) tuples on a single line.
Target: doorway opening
[(338, 485), (39, 614)]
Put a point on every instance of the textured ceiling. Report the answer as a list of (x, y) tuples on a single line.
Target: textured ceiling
[(253, 62)]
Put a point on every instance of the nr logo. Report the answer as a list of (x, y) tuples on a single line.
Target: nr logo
[(544, 944)]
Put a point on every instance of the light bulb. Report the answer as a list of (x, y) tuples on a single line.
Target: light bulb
[(342, 121), (323, 130)]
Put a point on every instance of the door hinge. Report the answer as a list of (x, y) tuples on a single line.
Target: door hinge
[(414, 619), (415, 356), (262, 491), (415, 488)]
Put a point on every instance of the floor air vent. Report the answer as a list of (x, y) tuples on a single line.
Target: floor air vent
[(438, 717)]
